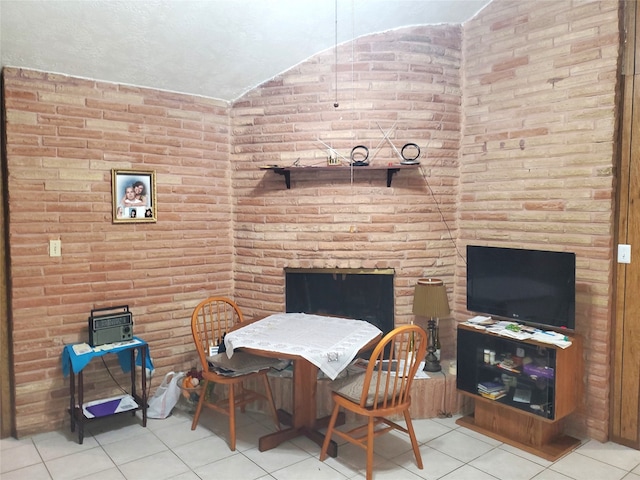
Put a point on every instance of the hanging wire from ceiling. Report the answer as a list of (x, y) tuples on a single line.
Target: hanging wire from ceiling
[(353, 85), (336, 104)]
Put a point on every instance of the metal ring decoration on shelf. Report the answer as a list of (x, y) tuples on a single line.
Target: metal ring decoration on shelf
[(408, 159), (363, 162)]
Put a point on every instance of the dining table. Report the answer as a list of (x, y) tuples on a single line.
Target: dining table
[(313, 343)]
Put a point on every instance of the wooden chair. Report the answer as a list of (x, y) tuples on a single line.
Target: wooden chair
[(382, 391), (210, 320)]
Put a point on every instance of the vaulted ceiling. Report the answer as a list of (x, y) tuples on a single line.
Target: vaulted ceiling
[(214, 48)]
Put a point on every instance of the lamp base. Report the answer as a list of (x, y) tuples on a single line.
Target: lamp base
[(431, 363)]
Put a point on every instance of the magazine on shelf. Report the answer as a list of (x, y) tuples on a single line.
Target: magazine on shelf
[(490, 386), (494, 395), (109, 406), (522, 395), (492, 390)]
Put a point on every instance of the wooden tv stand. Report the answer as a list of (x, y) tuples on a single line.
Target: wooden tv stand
[(536, 400)]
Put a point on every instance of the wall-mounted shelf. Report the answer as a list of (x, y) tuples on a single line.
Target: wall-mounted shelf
[(286, 171)]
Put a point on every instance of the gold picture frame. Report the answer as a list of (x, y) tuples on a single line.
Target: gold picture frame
[(133, 196)]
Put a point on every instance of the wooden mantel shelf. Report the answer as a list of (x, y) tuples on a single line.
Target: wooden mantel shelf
[(391, 169)]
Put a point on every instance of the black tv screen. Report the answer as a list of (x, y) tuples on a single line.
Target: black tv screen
[(533, 287)]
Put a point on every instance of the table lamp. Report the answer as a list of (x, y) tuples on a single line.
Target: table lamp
[(430, 300)]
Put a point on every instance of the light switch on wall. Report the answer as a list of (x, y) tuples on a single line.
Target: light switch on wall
[(54, 248), (624, 253)]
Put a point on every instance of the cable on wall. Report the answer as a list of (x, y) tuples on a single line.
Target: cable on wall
[(435, 200), (444, 413), (113, 378)]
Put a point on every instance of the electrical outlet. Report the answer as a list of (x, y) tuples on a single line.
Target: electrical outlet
[(624, 253), (55, 247)]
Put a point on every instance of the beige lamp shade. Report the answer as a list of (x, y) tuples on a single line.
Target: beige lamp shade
[(430, 298)]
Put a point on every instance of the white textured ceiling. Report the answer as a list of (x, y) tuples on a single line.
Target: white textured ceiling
[(214, 48)]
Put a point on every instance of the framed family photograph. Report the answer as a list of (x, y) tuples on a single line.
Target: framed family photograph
[(133, 196)]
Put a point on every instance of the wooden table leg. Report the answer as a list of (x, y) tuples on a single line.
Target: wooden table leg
[(305, 386), (303, 420)]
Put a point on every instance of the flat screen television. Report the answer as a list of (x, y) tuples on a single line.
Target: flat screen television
[(534, 287)]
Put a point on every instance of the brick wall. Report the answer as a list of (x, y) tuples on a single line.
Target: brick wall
[(537, 155), (405, 83), (64, 135)]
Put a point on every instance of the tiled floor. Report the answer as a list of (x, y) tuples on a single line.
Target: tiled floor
[(119, 448)]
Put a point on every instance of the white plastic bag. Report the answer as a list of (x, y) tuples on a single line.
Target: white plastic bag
[(166, 396)]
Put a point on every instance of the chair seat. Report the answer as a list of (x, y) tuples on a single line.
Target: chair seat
[(351, 387), (242, 363)]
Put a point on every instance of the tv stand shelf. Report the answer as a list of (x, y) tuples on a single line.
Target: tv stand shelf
[(391, 169), (540, 389)]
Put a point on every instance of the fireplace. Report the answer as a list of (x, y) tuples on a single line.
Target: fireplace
[(364, 294)]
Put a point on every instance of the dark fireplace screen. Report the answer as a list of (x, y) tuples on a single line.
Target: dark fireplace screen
[(360, 294)]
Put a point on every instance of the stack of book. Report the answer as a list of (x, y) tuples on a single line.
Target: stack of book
[(492, 390)]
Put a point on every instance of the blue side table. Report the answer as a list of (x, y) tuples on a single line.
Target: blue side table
[(135, 352)]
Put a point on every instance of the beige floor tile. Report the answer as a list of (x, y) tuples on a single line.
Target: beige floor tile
[(168, 449), (140, 446), (19, 456), (80, 464), (234, 467), (160, 466), (460, 446), (579, 466), (506, 466), (310, 469), (33, 472), (61, 443)]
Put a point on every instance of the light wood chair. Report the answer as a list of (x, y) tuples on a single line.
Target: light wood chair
[(211, 320), (382, 391)]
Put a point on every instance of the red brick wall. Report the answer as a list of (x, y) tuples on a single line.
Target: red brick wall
[(406, 83), (537, 155), (64, 135)]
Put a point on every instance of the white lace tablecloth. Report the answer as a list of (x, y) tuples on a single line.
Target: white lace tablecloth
[(330, 343)]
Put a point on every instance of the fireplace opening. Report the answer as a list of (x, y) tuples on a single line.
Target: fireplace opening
[(363, 294)]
